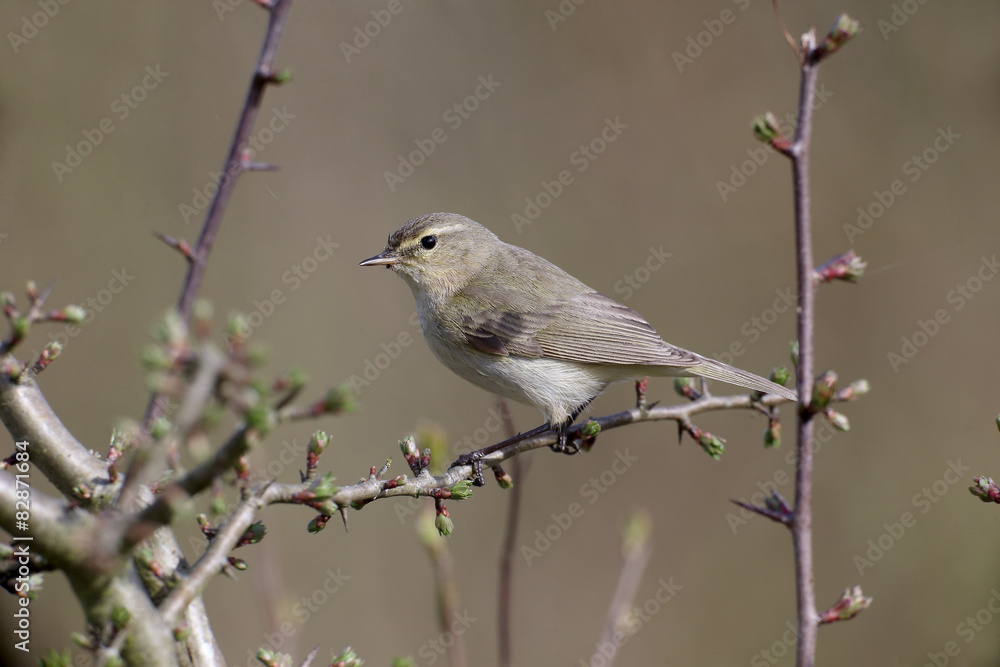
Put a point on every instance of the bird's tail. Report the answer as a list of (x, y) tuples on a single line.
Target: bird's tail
[(716, 370)]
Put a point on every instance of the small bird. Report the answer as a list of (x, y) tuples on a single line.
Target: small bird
[(519, 326)]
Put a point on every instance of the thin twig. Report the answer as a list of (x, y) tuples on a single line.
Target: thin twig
[(234, 165), (637, 549), (446, 589), (506, 574)]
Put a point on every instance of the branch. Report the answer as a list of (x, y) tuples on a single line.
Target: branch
[(801, 524), (801, 518), (637, 550), (52, 448), (237, 161), (506, 574)]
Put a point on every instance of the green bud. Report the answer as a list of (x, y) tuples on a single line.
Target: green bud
[(237, 327), (590, 429), (839, 421), (772, 436), (218, 506), (298, 378), (340, 399), (155, 358), (160, 428), (713, 445), (461, 490), (7, 299), (324, 487), (203, 309), (74, 314), (318, 443), (281, 78), (795, 353), (637, 531), (823, 390), (120, 617), (201, 316), (766, 127), (260, 418), (317, 524), (781, 375), (54, 659), (21, 326), (859, 388), (503, 478), (444, 525), (347, 658), (257, 355), (410, 449)]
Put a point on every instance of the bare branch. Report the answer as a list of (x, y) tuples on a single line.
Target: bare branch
[(58, 455)]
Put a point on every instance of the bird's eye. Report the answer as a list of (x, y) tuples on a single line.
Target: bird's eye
[(429, 241)]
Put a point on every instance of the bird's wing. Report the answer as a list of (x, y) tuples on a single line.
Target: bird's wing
[(587, 327)]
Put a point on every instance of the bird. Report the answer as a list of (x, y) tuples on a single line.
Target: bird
[(517, 325)]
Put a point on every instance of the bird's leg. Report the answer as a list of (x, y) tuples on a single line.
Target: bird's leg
[(561, 445), (475, 458)]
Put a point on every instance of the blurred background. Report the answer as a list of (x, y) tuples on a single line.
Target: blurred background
[(904, 172)]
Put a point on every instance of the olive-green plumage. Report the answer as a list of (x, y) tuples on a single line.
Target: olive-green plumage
[(519, 326)]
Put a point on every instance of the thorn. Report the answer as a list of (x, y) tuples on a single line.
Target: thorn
[(260, 166), (180, 245), (343, 516), (776, 508), (310, 657)]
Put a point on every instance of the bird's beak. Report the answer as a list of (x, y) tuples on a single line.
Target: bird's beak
[(387, 259)]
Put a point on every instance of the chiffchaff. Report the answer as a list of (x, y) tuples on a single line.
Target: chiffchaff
[(512, 323)]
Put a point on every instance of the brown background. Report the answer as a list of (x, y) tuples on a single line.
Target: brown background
[(888, 95)]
